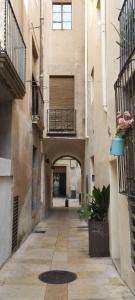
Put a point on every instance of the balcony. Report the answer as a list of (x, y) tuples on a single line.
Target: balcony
[(125, 100), (37, 107), (12, 54), (127, 32), (61, 122)]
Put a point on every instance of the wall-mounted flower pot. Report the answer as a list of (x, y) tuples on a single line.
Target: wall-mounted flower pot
[(117, 146)]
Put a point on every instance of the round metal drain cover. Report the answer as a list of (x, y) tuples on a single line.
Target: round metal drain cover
[(57, 277), (39, 231)]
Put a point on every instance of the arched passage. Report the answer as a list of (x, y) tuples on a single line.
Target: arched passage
[(54, 149)]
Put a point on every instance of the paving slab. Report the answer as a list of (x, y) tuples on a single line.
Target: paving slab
[(64, 246)]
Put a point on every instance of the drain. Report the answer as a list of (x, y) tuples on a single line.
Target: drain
[(83, 227), (57, 277), (39, 231)]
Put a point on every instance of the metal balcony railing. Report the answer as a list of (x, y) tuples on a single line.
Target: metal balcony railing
[(127, 31), (37, 107), (125, 101), (11, 40), (61, 121)]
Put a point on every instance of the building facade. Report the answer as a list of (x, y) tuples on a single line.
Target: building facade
[(64, 65), (21, 107), (111, 89), (63, 76)]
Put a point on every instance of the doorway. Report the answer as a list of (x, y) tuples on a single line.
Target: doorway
[(66, 182), (59, 181)]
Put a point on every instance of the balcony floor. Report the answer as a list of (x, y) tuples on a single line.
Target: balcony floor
[(64, 246)]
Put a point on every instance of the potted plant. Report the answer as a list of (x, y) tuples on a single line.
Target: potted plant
[(124, 122), (96, 212)]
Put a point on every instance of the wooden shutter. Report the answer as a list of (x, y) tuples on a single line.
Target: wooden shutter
[(61, 92)]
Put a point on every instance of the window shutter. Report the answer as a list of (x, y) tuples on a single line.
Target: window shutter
[(61, 92)]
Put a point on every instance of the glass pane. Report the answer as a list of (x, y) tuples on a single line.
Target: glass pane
[(66, 7), (66, 25), (56, 8), (56, 17), (67, 17), (56, 25)]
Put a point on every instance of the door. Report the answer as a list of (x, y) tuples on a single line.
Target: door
[(59, 181)]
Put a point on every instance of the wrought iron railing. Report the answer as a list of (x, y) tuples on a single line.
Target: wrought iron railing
[(125, 100), (11, 40), (37, 105), (61, 121), (127, 31)]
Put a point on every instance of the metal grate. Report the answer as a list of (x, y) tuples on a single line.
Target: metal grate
[(15, 222), (125, 100), (127, 31), (61, 120), (11, 41), (57, 277)]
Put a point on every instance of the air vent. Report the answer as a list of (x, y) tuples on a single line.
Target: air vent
[(15, 223)]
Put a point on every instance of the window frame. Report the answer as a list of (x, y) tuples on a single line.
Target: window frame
[(61, 4)]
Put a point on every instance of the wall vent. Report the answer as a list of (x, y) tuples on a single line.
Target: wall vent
[(15, 222)]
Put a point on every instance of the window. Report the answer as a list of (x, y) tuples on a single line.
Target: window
[(61, 92), (62, 16)]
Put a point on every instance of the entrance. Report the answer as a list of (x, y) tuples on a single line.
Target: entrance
[(59, 181), (66, 182)]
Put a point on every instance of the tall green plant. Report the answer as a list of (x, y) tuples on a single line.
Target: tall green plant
[(96, 207)]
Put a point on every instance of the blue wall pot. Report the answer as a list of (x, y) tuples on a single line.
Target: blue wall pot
[(117, 146)]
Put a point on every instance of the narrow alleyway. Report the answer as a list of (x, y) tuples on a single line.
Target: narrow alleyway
[(63, 246)]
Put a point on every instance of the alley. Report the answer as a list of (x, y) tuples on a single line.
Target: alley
[(63, 246)]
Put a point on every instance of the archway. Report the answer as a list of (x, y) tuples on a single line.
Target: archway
[(55, 149), (66, 182)]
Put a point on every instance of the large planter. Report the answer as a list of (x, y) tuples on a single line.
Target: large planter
[(98, 238), (117, 146)]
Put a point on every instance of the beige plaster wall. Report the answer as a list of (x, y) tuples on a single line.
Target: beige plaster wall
[(101, 129), (24, 135), (64, 55)]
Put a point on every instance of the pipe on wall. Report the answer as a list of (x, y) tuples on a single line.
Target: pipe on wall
[(103, 54), (86, 68)]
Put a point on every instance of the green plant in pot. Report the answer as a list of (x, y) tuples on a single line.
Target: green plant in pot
[(96, 212)]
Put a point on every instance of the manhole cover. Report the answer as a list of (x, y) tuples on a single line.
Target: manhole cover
[(57, 277)]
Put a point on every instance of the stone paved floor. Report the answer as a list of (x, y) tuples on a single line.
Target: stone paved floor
[(63, 246)]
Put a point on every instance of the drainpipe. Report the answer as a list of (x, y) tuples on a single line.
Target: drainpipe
[(103, 53), (41, 46), (86, 68)]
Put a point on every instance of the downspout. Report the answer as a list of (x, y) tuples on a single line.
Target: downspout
[(86, 69), (103, 53), (41, 46)]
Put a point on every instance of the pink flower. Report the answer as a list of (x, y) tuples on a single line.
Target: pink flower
[(124, 121)]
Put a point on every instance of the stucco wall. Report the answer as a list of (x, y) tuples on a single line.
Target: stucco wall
[(101, 129), (17, 141), (64, 55)]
